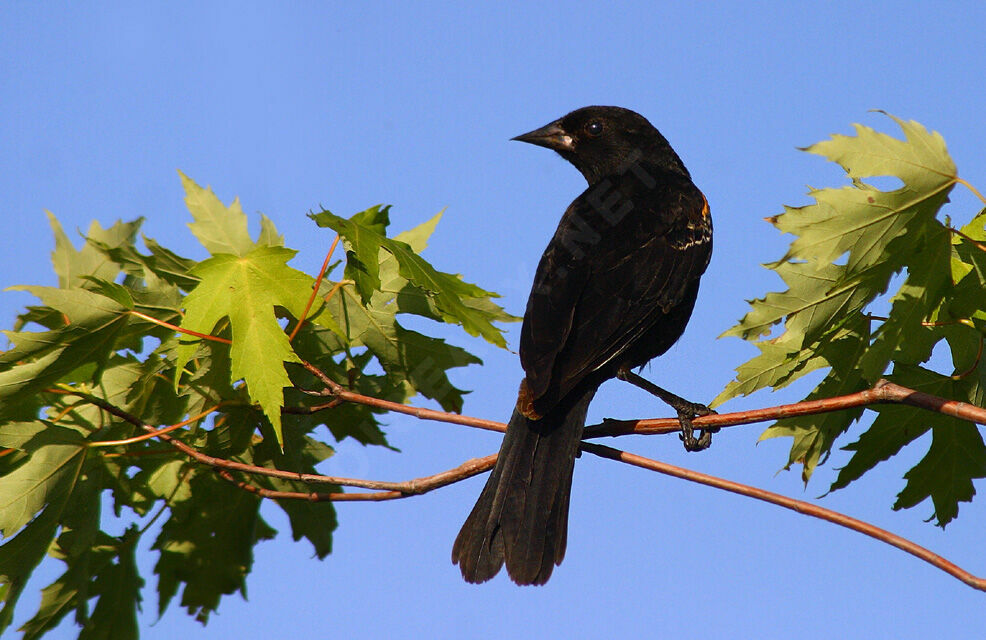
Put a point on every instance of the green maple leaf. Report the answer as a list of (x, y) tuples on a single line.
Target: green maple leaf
[(363, 233), (783, 360), (44, 479), (246, 290), (816, 299), (207, 545), (778, 365), (57, 600), (160, 264), (415, 300), (269, 235), (862, 220), (71, 263), (957, 456), (812, 436), (411, 359), (219, 228), (118, 587), (77, 351), (22, 553), (56, 458), (314, 521), (976, 228), (85, 549), (895, 427)]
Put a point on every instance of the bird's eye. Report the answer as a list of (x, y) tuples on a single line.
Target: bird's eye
[(594, 128)]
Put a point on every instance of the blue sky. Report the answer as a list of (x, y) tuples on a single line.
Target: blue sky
[(295, 105)]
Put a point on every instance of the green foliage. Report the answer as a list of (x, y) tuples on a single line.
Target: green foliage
[(451, 295), (851, 246), (130, 329)]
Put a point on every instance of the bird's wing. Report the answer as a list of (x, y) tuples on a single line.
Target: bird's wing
[(600, 285)]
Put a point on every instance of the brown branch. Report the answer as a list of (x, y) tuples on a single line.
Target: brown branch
[(883, 392), (340, 393), (800, 506), (154, 433), (391, 490), (395, 490)]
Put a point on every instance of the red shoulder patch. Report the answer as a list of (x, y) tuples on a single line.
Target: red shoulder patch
[(525, 402)]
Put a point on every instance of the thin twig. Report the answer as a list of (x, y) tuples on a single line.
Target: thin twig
[(315, 288), (975, 364), (394, 490), (978, 245), (335, 288), (927, 323), (337, 391), (155, 433), (800, 506), (409, 487)]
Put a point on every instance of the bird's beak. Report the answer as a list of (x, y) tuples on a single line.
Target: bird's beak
[(551, 136)]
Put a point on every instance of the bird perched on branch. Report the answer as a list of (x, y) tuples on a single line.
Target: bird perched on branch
[(614, 289)]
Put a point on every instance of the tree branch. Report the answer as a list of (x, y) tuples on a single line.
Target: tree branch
[(394, 490), (883, 392), (336, 391), (800, 506), (391, 490)]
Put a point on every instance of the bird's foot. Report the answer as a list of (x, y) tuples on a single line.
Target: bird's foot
[(687, 411)]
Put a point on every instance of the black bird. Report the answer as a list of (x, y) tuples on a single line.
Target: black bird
[(614, 289)]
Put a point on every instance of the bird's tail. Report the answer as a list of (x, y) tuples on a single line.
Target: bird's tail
[(521, 517)]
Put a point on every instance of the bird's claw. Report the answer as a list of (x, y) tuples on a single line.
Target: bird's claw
[(685, 416)]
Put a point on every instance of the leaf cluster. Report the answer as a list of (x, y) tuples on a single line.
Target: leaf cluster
[(209, 348), (858, 250)]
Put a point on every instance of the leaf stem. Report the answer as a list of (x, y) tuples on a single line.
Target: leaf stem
[(925, 323), (156, 433), (315, 288), (188, 332), (970, 188), (975, 364)]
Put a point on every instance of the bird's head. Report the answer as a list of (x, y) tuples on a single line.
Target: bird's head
[(603, 141)]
